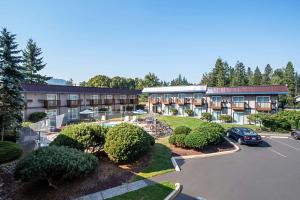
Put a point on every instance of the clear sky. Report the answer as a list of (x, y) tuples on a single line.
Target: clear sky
[(83, 38)]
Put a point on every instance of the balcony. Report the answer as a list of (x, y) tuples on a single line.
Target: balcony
[(198, 102), (216, 105), (240, 106), (108, 102), (51, 103), (183, 101), (133, 101), (73, 103), (167, 101), (263, 106), (155, 101), (123, 101), (94, 102)]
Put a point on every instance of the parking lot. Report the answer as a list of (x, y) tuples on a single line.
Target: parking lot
[(270, 171)]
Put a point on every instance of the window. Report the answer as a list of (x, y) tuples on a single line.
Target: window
[(51, 113), (263, 99), (198, 95), (238, 99), (73, 97), (216, 99), (167, 96), (123, 97), (109, 96), (95, 97), (73, 113), (51, 97), (181, 96)]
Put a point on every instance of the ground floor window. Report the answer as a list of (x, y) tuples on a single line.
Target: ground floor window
[(198, 111), (73, 113), (216, 115), (238, 117)]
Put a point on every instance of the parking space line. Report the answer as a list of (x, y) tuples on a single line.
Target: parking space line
[(280, 154), (295, 148)]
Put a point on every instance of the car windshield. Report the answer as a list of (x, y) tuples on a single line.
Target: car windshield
[(247, 131)]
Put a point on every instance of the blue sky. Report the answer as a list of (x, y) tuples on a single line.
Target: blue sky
[(131, 38)]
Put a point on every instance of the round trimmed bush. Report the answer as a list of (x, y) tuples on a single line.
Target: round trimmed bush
[(82, 136), (63, 140), (179, 140), (195, 140), (126, 142), (37, 116), (213, 132), (182, 130), (172, 139), (55, 164), (206, 116), (9, 151)]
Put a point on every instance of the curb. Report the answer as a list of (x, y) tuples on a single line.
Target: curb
[(177, 168), (175, 192)]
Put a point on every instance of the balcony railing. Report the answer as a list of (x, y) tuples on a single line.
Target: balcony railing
[(263, 106), (108, 102), (167, 101), (95, 102), (51, 103), (73, 103), (216, 105), (198, 102), (238, 105), (155, 101), (133, 101), (182, 101)]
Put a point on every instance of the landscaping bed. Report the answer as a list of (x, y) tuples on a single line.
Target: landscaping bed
[(220, 147)]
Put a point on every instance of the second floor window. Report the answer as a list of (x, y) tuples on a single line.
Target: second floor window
[(238, 99), (263, 99), (73, 97), (51, 97), (198, 95), (216, 99), (94, 97)]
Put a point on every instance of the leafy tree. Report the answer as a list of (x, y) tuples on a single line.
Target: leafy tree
[(118, 82), (131, 84), (99, 81), (33, 63), (289, 77), (267, 75), (278, 77), (70, 82), (239, 78), (151, 80), (179, 81), (257, 77), (11, 77), (83, 83)]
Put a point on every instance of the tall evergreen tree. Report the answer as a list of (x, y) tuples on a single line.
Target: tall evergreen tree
[(267, 76), (278, 77), (179, 81), (11, 77), (290, 80), (250, 76), (219, 73), (70, 82), (33, 63), (239, 78), (257, 78)]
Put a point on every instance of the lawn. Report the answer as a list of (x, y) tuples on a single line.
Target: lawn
[(160, 163), (191, 122), (153, 192)]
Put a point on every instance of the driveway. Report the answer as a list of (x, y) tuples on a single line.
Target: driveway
[(270, 171)]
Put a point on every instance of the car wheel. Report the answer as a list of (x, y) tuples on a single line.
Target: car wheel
[(295, 136), (240, 141)]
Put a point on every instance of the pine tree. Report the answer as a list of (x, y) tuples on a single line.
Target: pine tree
[(267, 75), (33, 63), (239, 78), (289, 77), (219, 73), (11, 77), (257, 77), (250, 76), (70, 82), (278, 77), (179, 81)]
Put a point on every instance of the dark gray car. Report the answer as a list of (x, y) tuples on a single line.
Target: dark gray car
[(244, 135)]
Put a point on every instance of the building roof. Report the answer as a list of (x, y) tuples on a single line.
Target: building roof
[(176, 89), (272, 89), (75, 89)]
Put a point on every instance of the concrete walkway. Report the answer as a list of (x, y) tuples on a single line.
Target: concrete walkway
[(116, 191)]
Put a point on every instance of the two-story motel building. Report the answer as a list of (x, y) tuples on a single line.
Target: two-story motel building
[(60, 99), (238, 102)]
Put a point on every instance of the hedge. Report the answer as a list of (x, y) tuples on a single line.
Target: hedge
[(55, 164), (172, 139), (196, 140), (189, 112), (126, 142), (182, 130), (9, 151), (37, 116), (226, 118), (213, 132), (82, 136), (206, 117), (179, 140)]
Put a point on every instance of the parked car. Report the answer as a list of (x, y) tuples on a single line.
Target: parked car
[(295, 135), (244, 135)]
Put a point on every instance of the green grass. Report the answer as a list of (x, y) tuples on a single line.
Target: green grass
[(161, 161), (153, 192), (9, 151), (191, 122)]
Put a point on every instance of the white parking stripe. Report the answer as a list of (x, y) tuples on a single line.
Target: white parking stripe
[(295, 148), (280, 154)]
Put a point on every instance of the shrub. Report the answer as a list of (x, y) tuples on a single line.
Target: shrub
[(257, 118), (189, 112), (179, 140), (85, 134), (63, 140), (206, 116), (174, 111), (195, 140), (37, 116), (226, 118), (26, 124), (55, 164), (276, 123), (182, 130), (207, 133), (9, 151), (126, 142), (172, 139)]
